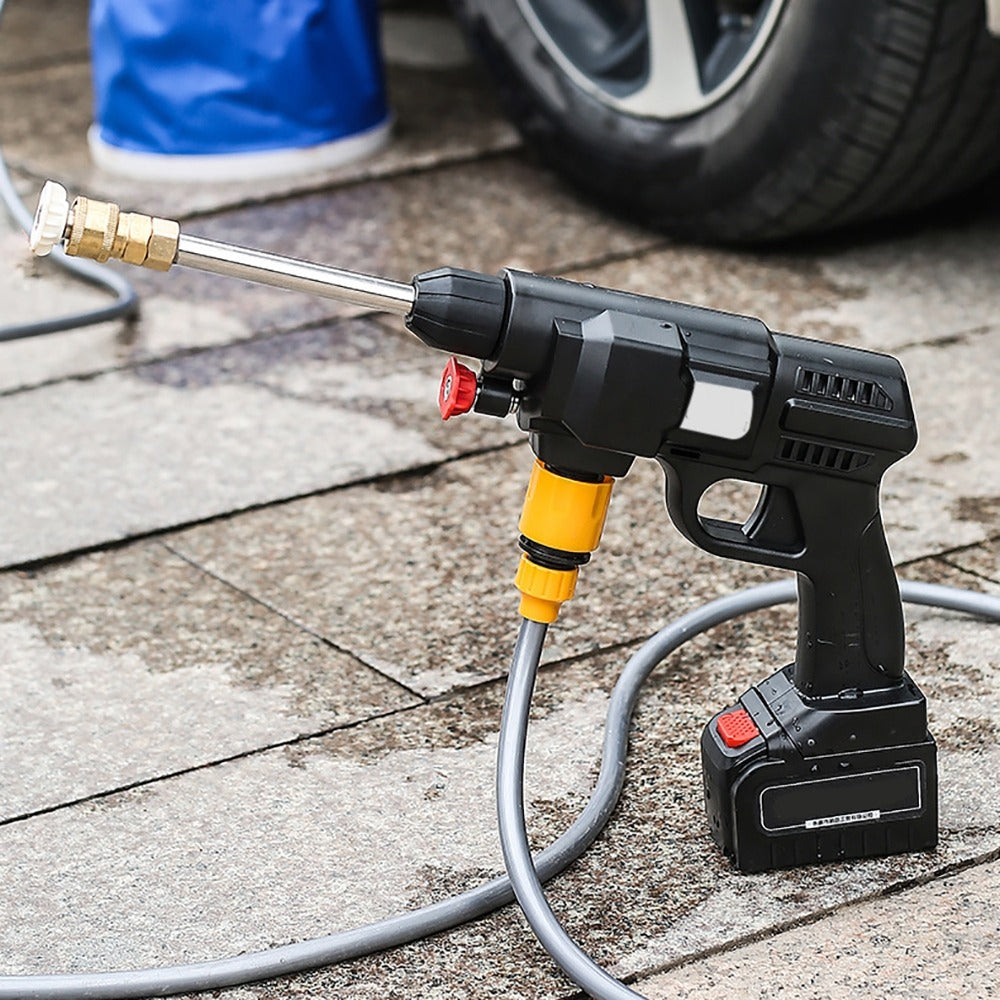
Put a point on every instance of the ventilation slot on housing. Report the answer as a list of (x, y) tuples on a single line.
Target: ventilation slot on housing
[(821, 456), (843, 389)]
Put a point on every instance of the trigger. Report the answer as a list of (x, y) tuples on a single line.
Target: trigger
[(774, 523)]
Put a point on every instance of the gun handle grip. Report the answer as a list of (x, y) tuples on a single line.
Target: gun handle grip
[(850, 616)]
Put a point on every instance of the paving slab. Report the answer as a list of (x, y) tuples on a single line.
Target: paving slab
[(982, 561), (444, 111), (946, 945), (945, 495), (38, 33), (272, 847), (388, 565), (324, 811), (422, 36), (122, 666), (375, 369), (131, 452), (210, 431), (929, 284)]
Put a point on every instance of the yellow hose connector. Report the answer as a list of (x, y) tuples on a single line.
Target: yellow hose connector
[(543, 590), (561, 524)]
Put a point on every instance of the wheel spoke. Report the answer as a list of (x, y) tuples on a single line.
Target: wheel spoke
[(673, 85), (664, 59)]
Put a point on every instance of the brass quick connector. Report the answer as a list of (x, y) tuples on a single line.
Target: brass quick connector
[(100, 230), (561, 524)]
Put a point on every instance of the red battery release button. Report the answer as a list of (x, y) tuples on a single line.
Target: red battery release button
[(737, 728)]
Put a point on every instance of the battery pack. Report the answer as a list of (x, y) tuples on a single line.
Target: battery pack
[(792, 781)]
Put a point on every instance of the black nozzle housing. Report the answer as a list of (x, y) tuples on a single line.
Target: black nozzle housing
[(458, 312)]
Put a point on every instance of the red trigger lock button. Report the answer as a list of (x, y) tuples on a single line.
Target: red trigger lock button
[(458, 389)]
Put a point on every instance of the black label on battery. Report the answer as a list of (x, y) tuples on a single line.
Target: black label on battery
[(855, 798)]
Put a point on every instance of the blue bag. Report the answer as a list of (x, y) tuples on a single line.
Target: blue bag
[(186, 78)]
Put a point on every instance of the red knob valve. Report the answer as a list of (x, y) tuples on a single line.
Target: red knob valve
[(458, 389)]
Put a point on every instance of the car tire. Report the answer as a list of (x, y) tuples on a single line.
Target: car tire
[(851, 110)]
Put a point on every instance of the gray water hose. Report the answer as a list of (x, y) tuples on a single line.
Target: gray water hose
[(416, 924), (571, 958), (513, 734)]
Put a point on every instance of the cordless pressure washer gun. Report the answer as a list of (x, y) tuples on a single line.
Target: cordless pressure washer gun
[(829, 757)]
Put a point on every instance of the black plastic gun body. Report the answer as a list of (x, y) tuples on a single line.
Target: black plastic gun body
[(608, 376)]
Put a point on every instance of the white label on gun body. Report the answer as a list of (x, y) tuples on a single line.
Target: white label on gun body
[(718, 408)]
